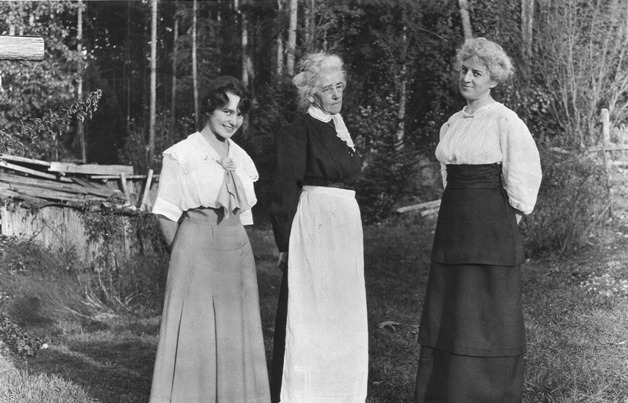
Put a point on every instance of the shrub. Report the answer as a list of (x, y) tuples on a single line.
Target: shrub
[(572, 202)]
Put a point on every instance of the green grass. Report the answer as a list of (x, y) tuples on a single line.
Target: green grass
[(577, 338)]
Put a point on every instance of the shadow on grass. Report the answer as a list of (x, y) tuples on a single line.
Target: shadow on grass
[(110, 370)]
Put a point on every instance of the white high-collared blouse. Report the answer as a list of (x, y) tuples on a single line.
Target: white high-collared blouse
[(494, 134), (192, 176)]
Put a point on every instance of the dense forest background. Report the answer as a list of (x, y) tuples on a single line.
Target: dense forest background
[(145, 64)]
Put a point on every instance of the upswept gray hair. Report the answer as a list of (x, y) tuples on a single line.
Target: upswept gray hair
[(311, 66), (490, 55)]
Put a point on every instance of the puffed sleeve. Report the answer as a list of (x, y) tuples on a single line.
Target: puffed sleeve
[(168, 201), (291, 142), (439, 156), (521, 164)]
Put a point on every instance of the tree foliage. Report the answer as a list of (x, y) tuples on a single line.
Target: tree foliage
[(398, 55)]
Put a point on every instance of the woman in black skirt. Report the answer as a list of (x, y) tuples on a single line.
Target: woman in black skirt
[(472, 333)]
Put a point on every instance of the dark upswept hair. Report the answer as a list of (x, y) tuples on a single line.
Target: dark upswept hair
[(216, 95)]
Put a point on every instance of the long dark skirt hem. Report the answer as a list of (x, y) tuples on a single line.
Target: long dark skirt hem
[(444, 377)]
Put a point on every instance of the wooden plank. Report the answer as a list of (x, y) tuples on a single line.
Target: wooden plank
[(29, 48), (125, 188), (29, 171), (50, 194), (146, 189), (32, 161), (434, 204), (90, 169), (106, 177), (608, 147), (54, 185)]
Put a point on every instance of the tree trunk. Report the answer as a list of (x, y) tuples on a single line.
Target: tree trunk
[(309, 25), (175, 48), (466, 20), (402, 89), (194, 67), (128, 68), (280, 60), (527, 22), (80, 128), (292, 37), (153, 83), (244, 43)]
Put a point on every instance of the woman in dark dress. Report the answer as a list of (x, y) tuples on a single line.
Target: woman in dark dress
[(321, 336), (472, 333), (211, 347)]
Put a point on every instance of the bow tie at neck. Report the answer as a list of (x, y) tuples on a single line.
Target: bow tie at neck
[(341, 129)]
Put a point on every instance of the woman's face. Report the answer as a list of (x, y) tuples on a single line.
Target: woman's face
[(327, 95), (225, 121), (475, 80)]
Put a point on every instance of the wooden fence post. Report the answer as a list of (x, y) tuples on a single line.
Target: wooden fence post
[(149, 179)]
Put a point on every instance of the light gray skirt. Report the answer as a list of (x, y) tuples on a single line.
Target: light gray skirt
[(211, 347)]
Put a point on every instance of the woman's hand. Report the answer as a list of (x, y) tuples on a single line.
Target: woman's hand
[(168, 229), (282, 263), (518, 217)]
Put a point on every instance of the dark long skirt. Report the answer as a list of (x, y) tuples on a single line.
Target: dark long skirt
[(445, 377), (472, 335)]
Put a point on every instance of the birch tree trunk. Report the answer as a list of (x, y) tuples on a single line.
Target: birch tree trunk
[(244, 42), (194, 67), (292, 37), (80, 128), (153, 82), (279, 40), (309, 25), (466, 20), (401, 85), (527, 22), (128, 68), (175, 48)]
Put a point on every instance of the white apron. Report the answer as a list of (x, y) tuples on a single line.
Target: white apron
[(326, 359)]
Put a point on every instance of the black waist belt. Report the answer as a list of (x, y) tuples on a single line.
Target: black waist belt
[(485, 176)]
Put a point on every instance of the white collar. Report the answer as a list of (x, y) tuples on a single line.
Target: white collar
[(341, 129)]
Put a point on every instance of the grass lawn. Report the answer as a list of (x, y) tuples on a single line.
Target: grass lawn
[(577, 334)]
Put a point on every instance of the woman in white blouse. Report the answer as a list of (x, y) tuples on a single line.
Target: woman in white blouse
[(211, 347), (472, 333)]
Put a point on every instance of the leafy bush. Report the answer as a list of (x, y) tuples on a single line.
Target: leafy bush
[(572, 202)]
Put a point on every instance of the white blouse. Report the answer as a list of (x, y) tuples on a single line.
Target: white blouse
[(191, 177), (494, 134)]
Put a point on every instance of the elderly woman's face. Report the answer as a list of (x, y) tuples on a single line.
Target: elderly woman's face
[(327, 95), (475, 80)]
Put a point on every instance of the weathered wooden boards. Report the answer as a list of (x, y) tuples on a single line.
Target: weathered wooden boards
[(29, 48), (66, 183)]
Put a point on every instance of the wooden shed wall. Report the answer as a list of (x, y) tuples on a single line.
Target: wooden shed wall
[(63, 229)]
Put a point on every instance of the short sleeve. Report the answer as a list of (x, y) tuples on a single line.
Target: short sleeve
[(521, 164), (168, 202)]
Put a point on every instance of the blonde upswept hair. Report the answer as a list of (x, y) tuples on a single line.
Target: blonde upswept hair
[(311, 66), (490, 55)]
